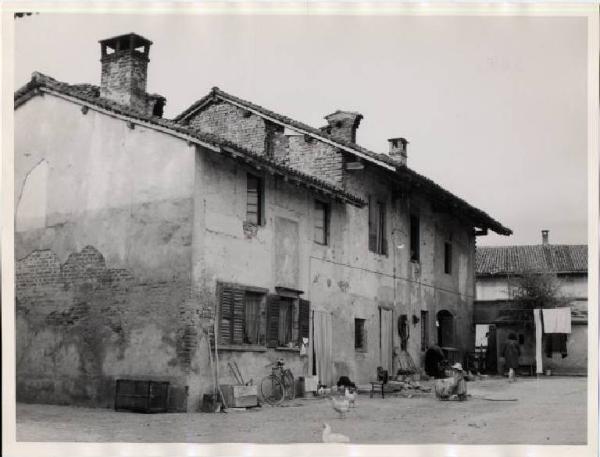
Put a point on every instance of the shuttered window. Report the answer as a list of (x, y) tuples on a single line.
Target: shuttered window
[(321, 222), (360, 340), (287, 321), (447, 258), (424, 330), (415, 238), (240, 316), (377, 229), (254, 200)]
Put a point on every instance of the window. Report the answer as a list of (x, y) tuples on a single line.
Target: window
[(521, 338), (240, 316), (360, 338), (447, 258), (321, 222), (377, 241), (287, 321), (414, 238), (254, 200), (424, 330)]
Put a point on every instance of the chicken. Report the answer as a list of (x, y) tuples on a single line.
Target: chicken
[(350, 396), (329, 437), (341, 406)]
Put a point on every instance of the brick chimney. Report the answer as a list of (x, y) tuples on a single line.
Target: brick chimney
[(125, 73), (343, 125), (545, 241), (398, 150)]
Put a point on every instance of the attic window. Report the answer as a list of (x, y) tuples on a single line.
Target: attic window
[(338, 124), (247, 114)]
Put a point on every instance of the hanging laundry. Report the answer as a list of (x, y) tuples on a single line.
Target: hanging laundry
[(538, 340), (557, 320)]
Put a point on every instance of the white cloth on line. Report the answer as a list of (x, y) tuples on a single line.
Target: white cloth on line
[(537, 318), (557, 320)]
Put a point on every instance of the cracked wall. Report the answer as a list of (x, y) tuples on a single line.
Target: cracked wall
[(103, 278)]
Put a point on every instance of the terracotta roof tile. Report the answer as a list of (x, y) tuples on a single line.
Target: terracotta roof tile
[(549, 258)]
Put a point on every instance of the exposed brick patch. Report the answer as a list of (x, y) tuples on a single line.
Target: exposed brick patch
[(94, 309), (234, 124)]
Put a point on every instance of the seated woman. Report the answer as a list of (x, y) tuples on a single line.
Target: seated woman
[(454, 387)]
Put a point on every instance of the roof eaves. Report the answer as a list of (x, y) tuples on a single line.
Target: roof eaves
[(41, 83), (477, 215)]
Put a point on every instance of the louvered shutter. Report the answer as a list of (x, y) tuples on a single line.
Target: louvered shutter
[(303, 320), (382, 229), (238, 316), (226, 315), (373, 226), (272, 321)]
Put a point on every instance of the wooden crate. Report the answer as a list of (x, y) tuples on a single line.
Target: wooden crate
[(141, 396), (239, 396)]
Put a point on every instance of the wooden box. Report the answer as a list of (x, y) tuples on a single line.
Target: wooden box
[(141, 396), (239, 396)]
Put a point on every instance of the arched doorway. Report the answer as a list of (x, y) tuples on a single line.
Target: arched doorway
[(445, 328)]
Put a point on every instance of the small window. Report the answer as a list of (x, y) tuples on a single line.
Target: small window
[(448, 258), (360, 338), (424, 330), (377, 227), (254, 200), (321, 222), (521, 338), (415, 240)]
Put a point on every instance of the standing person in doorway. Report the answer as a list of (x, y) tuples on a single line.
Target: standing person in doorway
[(434, 356), (511, 353)]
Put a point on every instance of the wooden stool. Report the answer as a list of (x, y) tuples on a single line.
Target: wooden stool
[(379, 386)]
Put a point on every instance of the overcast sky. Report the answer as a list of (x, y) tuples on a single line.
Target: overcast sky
[(495, 108)]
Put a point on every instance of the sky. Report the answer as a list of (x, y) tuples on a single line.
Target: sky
[(494, 108)]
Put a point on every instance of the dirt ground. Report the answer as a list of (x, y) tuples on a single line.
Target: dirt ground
[(546, 411)]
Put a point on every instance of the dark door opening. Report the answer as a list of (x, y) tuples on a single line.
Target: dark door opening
[(445, 328)]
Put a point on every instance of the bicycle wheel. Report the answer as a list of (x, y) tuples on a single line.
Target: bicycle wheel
[(289, 385), (271, 389)]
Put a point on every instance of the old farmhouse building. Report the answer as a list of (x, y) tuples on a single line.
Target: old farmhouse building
[(498, 271), (134, 232)]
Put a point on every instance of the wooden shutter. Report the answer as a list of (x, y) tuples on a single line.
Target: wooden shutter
[(225, 315), (303, 320), (238, 316), (231, 315), (382, 228), (373, 224), (272, 321)]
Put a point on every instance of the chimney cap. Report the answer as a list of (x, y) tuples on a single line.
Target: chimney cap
[(401, 139), (340, 114), (545, 236), (138, 40)]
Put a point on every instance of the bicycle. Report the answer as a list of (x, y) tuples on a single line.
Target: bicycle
[(279, 385)]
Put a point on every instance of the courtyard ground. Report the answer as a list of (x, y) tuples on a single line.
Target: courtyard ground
[(546, 411)]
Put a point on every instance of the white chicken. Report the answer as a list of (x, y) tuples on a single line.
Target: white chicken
[(341, 406), (329, 437), (350, 396)]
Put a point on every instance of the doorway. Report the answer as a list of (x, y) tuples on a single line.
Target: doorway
[(386, 334), (445, 328)]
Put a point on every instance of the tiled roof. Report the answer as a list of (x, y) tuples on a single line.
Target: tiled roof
[(91, 94), (549, 258), (477, 216)]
